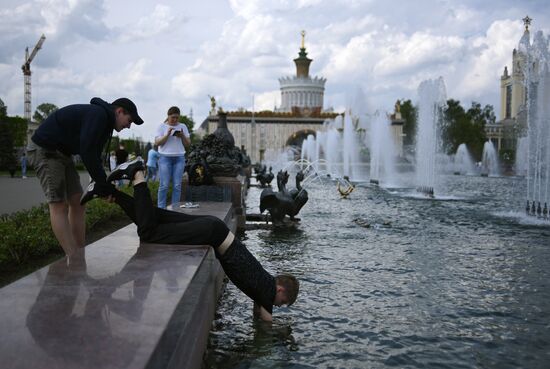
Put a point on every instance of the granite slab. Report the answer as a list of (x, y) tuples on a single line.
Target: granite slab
[(130, 305)]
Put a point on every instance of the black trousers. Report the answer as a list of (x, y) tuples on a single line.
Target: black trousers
[(157, 225)]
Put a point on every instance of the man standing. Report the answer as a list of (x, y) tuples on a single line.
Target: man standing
[(24, 165), (81, 129)]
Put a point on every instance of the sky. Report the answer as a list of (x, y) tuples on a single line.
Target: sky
[(164, 53)]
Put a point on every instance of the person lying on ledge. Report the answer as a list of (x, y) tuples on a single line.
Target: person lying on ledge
[(155, 225)]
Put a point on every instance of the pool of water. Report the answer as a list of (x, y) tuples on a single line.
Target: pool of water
[(389, 279)]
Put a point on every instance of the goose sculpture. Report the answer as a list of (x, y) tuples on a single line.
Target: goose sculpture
[(284, 202)]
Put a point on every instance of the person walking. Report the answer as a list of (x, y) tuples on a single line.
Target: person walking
[(81, 129), (172, 137), (152, 163), (24, 165)]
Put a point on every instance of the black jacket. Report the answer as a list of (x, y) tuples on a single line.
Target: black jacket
[(81, 129)]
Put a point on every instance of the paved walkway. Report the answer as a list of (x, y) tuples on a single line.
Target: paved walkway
[(20, 194)]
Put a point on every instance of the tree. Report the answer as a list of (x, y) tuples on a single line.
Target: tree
[(187, 121), (409, 115), (479, 118), (138, 148), (18, 127), (42, 111), (7, 155), (3, 110), (190, 124), (466, 127)]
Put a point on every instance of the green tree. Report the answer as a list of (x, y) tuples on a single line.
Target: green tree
[(409, 115), (114, 143), (190, 124), (466, 127), (479, 118), (42, 111), (138, 148), (7, 156), (18, 127), (3, 110)]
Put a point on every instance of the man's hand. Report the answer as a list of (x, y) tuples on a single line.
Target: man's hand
[(261, 313)]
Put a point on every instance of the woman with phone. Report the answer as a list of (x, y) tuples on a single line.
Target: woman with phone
[(172, 138)]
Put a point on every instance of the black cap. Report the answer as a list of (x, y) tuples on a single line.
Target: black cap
[(130, 107)]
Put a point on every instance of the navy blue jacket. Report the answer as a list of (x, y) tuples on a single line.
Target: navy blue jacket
[(81, 129)]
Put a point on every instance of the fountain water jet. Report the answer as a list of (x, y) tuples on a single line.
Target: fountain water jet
[(463, 162), (537, 84), (339, 149), (382, 150), (432, 100), (522, 164), (489, 161), (350, 147)]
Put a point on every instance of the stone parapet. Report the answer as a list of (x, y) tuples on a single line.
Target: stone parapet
[(130, 305)]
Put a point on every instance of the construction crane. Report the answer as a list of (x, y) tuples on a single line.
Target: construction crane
[(26, 67)]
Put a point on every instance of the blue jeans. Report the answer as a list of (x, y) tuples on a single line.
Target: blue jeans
[(170, 168), (151, 173)]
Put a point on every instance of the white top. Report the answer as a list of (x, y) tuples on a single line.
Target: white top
[(173, 146)]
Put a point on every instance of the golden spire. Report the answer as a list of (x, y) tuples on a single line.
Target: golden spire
[(303, 33), (527, 22)]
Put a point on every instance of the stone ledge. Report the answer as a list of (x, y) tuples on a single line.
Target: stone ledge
[(131, 306)]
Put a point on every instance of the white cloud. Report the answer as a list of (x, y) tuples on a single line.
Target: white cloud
[(177, 53), (421, 50), (129, 79), (158, 21), (54, 13), (267, 100), (483, 70)]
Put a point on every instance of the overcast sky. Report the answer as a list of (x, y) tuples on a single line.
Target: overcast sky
[(164, 53)]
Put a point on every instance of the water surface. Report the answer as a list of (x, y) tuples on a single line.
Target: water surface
[(391, 280)]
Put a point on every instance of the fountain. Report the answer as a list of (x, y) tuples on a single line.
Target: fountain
[(432, 100), (490, 166), (463, 162), (537, 84), (382, 150), (521, 157), (339, 150), (350, 147)]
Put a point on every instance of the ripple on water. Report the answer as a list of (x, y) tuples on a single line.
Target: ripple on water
[(429, 284)]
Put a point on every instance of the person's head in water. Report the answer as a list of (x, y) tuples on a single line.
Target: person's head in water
[(287, 287)]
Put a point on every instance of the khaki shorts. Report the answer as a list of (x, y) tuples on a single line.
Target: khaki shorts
[(56, 172)]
